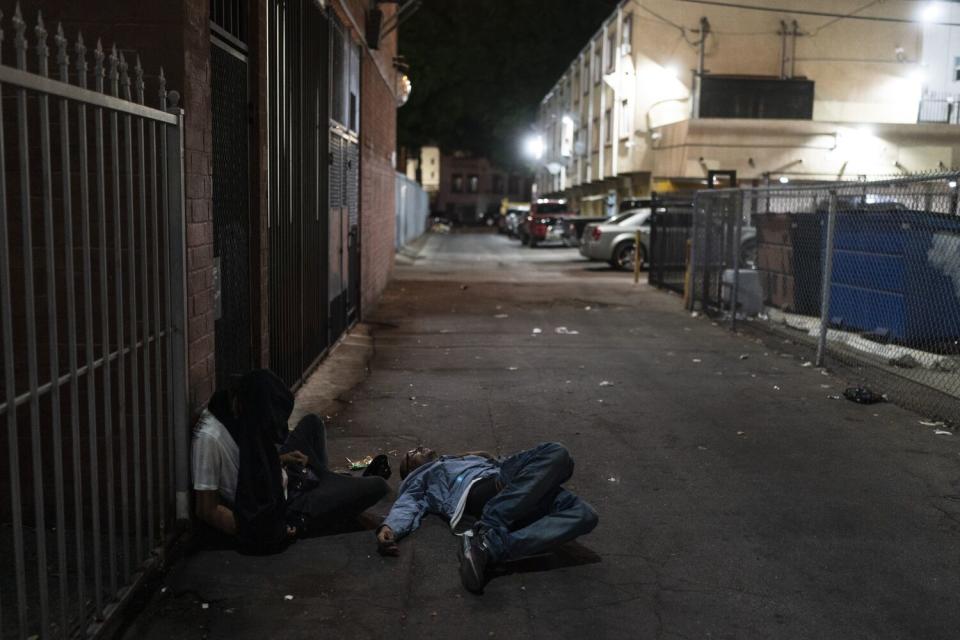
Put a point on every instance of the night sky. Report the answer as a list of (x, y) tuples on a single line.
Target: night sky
[(480, 68)]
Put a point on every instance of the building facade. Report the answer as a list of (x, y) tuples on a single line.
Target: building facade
[(470, 189), (668, 91)]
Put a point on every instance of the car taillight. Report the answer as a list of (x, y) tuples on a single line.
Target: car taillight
[(596, 233)]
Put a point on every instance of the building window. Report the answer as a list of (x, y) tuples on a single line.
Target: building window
[(611, 51), (457, 183), (597, 68), (497, 183), (626, 35), (607, 126), (585, 75), (626, 119), (956, 69), (514, 185), (473, 184), (595, 135)]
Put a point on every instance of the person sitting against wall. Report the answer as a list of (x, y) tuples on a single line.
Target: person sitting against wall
[(261, 484)]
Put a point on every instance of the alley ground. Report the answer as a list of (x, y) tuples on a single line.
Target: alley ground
[(736, 499)]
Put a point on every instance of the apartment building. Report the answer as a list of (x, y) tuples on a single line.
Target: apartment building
[(668, 91)]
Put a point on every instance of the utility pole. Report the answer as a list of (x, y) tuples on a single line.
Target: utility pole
[(704, 30)]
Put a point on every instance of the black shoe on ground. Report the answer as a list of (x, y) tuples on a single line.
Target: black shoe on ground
[(473, 562)]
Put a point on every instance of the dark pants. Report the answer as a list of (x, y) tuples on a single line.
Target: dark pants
[(533, 512), (331, 496)]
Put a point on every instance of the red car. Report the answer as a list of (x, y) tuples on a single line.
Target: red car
[(546, 222)]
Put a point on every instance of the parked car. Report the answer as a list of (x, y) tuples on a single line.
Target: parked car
[(614, 240), (546, 222), (575, 226), (634, 203), (511, 221)]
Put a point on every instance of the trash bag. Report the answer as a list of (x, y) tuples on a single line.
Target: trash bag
[(863, 395)]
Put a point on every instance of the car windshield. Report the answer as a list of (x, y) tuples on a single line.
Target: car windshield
[(551, 207)]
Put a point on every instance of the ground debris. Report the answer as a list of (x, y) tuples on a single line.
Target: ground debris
[(606, 383), (566, 332), (906, 361), (863, 395)]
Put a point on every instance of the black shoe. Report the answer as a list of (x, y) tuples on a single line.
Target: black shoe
[(473, 562)]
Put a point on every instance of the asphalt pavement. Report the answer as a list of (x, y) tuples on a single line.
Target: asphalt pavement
[(737, 499)]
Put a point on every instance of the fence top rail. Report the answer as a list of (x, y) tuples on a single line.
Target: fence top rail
[(839, 185), (59, 89), (109, 69)]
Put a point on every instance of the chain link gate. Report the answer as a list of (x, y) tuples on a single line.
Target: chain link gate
[(862, 276)]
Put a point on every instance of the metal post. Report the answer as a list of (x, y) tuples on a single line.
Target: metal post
[(637, 252), (827, 278), (705, 253), (737, 238), (178, 304)]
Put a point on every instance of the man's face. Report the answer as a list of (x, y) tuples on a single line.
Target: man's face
[(416, 458)]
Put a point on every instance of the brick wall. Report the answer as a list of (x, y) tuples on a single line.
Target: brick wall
[(199, 193)]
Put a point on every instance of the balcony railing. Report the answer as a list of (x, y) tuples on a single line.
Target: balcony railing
[(939, 108)]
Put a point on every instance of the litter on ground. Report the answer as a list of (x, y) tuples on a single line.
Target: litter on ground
[(537, 330), (606, 383), (863, 395), (941, 432), (566, 332)]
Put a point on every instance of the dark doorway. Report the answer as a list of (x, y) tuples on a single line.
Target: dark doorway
[(230, 99)]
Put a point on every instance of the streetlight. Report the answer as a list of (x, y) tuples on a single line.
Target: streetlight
[(784, 180), (930, 12), (534, 146)]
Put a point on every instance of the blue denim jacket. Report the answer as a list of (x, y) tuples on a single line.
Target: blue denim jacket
[(439, 487)]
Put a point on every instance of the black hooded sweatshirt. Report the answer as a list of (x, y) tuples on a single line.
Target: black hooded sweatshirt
[(265, 405)]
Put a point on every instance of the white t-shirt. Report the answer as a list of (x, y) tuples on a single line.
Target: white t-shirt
[(215, 459)]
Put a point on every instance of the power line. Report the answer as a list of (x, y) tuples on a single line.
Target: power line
[(807, 12), (838, 19)]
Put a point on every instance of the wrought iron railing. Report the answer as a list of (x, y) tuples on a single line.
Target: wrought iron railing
[(91, 330)]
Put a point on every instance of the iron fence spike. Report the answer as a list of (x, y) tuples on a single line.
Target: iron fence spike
[(43, 51), (63, 59), (138, 84)]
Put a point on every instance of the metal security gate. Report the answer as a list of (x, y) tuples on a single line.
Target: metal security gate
[(344, 279), (92, 300), (231, 187), (299, 239)]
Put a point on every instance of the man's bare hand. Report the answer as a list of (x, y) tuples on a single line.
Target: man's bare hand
[(294, 457), (387, 542)]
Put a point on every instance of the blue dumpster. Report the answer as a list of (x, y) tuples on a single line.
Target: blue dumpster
[(896, 273)]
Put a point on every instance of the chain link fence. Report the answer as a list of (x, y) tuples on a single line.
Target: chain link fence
[(863, 276), (412, 210)]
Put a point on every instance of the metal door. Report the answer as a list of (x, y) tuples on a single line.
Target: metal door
[(231, 204)]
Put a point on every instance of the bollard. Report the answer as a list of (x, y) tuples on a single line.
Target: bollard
[(636, 257)]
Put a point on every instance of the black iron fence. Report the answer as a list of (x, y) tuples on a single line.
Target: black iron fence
[(92, 307), (865, 274), (670, 224)]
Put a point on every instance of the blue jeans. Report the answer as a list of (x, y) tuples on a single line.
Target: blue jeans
[(533, 512)]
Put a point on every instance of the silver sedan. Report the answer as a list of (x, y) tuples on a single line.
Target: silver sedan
[(614, 240)]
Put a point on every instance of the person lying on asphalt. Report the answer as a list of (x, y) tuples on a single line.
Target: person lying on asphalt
[(517, 506), (258, 482)]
